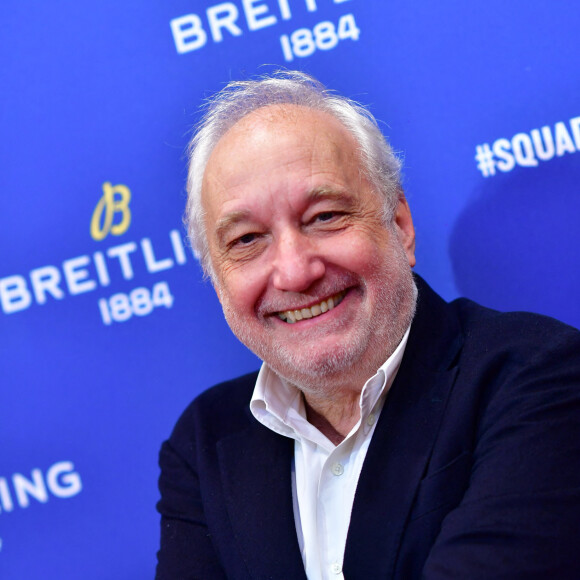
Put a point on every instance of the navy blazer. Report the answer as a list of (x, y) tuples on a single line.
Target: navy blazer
[(473, 471)]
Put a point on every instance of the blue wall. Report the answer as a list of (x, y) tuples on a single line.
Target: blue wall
[(107, 330)]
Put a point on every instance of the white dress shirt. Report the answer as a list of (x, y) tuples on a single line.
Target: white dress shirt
[(324, 476)]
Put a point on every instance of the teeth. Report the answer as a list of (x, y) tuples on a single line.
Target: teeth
[(292, 316)]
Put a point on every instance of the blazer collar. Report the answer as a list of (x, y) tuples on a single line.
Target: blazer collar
[(403, 440)]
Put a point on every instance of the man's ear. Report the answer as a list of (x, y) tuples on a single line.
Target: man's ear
[(405, 229)]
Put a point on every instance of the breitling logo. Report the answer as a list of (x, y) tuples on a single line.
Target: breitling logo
[(115, 200)]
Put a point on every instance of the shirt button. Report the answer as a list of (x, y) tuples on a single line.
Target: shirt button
[(337, 469), (371, 420), (336, 568)]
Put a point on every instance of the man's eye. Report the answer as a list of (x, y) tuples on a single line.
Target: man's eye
[(325, 216), (245, 239)]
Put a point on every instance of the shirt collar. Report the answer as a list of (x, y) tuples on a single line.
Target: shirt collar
[(279, 405)]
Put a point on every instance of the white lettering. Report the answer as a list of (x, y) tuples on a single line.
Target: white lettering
[(14, 294), (523, 150), (252, 12), (45, 280), (101, 267), (527, 149), (575, 126), (501, 149), (5, 498), (17, 293), (284, 9), (188, 33), (76, 276), (25, 487), (152, 264), (122, 252), (61, 480), (311, 5), (564, 142), (544, 153), (221, 16), (69, 484)]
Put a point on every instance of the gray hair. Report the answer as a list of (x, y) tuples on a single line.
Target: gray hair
[(240, 98)]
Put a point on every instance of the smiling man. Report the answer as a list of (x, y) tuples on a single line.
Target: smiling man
[(375, 442), (296, 229)]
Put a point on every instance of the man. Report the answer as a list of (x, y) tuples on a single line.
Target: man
[(376, 441)]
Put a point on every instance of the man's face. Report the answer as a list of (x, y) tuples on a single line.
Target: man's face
[(308, 275)]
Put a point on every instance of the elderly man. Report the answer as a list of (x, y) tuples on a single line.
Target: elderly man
[(388, 434)]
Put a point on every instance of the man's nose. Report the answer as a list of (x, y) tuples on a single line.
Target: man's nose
[(297, 263)]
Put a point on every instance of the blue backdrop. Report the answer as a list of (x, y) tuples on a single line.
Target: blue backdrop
[(107, 330)]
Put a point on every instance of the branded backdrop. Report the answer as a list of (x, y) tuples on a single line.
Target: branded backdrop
[(107, 329)]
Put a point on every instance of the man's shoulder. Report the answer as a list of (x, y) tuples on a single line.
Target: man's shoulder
[(220, 409), (468, 333), (522, 330), (519, 353)]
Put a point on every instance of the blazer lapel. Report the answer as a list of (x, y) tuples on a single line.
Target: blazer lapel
[(256, 474), (403, 441)]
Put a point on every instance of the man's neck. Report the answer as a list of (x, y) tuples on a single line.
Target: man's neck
[(333, 418)]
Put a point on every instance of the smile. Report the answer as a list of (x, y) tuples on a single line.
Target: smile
[(292, 316)]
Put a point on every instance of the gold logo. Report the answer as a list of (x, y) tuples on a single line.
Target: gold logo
[(104, 214)]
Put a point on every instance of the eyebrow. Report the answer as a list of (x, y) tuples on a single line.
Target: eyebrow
[(228, 221), (324, 193)]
